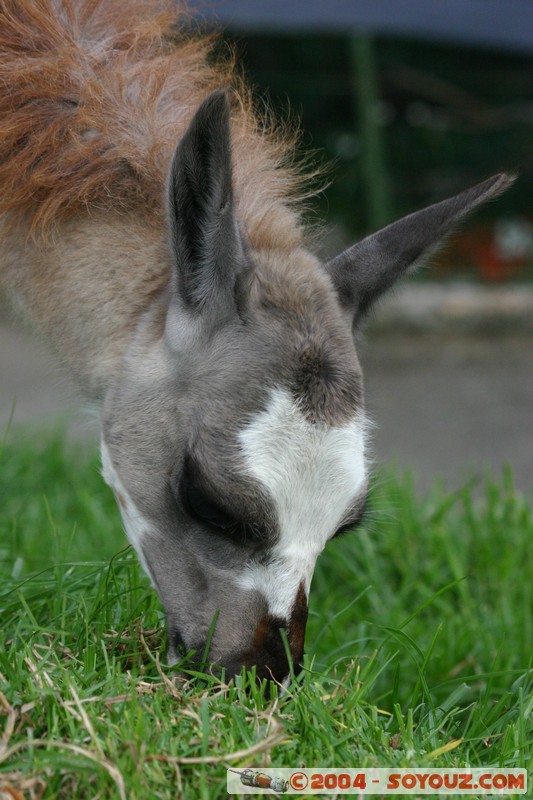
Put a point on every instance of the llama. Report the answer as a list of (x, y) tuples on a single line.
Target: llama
[(151, 229)]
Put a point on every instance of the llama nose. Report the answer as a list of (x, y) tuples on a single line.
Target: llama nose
[(267, 655), (268, 651)]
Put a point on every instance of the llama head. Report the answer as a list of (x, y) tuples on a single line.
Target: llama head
[(235, 440)]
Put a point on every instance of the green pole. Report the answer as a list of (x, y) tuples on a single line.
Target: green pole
[(374, 163)]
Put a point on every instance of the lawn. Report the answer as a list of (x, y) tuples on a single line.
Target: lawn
[(418, 645)]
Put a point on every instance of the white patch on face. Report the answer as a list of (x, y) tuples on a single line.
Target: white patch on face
[(135, 525), (313, 473)]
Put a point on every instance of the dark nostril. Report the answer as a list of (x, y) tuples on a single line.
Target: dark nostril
[(297, 625)]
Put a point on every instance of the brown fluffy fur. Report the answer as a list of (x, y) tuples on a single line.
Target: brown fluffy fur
[(95, 94), (94, 97)]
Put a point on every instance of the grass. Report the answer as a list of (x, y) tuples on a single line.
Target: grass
[(418, 645)]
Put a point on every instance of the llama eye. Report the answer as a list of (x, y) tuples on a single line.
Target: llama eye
[(344, 529), (203, 508), (355, 522), (199, 505)]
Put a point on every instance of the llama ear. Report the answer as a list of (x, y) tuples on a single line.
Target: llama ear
[(205, 240), (363, 272)]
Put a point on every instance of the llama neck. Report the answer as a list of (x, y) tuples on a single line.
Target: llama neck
[(87, 290)]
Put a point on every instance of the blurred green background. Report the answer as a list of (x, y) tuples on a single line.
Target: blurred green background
[(406, 123)]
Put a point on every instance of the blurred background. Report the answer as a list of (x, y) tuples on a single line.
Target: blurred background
[(408, 103)]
